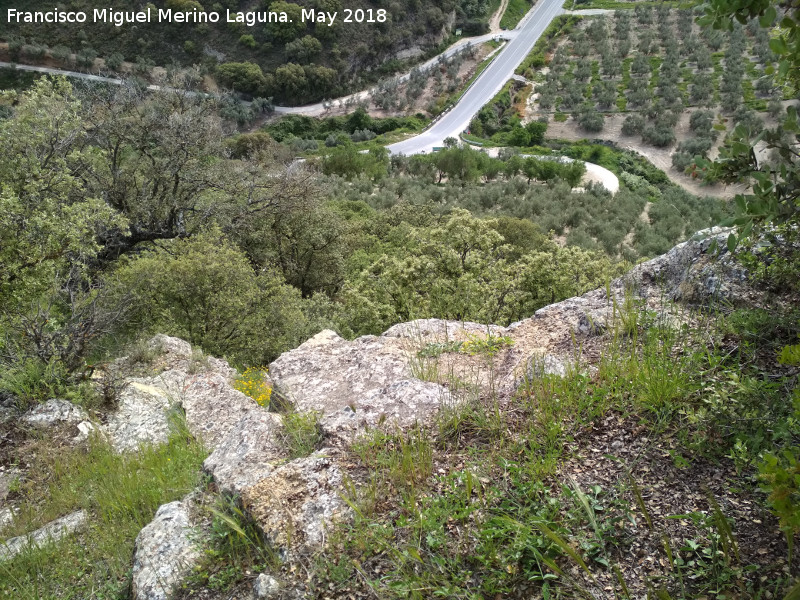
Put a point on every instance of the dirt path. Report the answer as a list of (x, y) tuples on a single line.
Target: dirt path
[(594, 173), (660, 157), (494, 22)]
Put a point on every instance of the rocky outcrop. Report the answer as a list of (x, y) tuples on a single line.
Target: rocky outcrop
[(354, 384), (198, 386), (396, 380), (52, 532), (165, 553), (56, 412), (296, 503), (248, 454)]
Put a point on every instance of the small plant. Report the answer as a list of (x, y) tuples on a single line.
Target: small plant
[(144, 353), (111, 384), (490, 346), (199, 362), (235, 546), (780, 478), (434, 350), (302, 433), (253, 383), (404, 459)]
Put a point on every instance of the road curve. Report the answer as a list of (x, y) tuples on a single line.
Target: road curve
[(487, 85)]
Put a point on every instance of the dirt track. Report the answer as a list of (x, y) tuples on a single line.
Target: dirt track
[(660, 157)]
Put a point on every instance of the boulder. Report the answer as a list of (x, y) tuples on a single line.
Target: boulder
[(142, 416), (402, 404), (165, 553), (266, 587), (297, 502), (211, 405), (201, 387), (248, 453), (357, 382), (440, 330), (52, 532), (54, 412)]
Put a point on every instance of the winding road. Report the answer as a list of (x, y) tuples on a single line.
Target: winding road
[(488, 84), (520, 42)]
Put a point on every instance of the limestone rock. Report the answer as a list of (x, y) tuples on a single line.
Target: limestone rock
[(691, 273), (297, 501), (164, 554), (595, 321), (172, 346), (6, 517), (53, 531), (365, 380), (141, 416), (440, 330), (54, 412), (211, 404), (402, 403), (85, 429), (546, 364), (205, 394), (248, 453), (266, 587)]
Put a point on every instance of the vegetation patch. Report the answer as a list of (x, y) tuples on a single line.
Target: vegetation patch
[(515, 10), (121, 493)]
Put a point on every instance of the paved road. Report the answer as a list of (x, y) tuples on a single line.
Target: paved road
[(461, 45), (488, 84)]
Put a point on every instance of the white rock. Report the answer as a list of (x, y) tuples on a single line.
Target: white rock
[(248, 454), (298, 501), (356, 382), (165, 553), (6, 516), (54, 412), (141, 416), (85, 429), (266, 587), (52, 532)]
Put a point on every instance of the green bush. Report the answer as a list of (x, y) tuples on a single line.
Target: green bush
[(204, 290)]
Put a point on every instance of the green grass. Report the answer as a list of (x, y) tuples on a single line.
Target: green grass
[(302, 433), (515, 10), (496, 520), (120, 492)]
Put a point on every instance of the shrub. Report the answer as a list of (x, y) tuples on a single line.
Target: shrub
[(660, 135), (248, 40), (62, 54), (86, 58), (682, 160), (362, 135), (633, 125), (114, 61), (205, 290), (591, 120), (701, 120)]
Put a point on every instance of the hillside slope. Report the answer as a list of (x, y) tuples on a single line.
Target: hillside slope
[(332, 58), (553, 456)]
